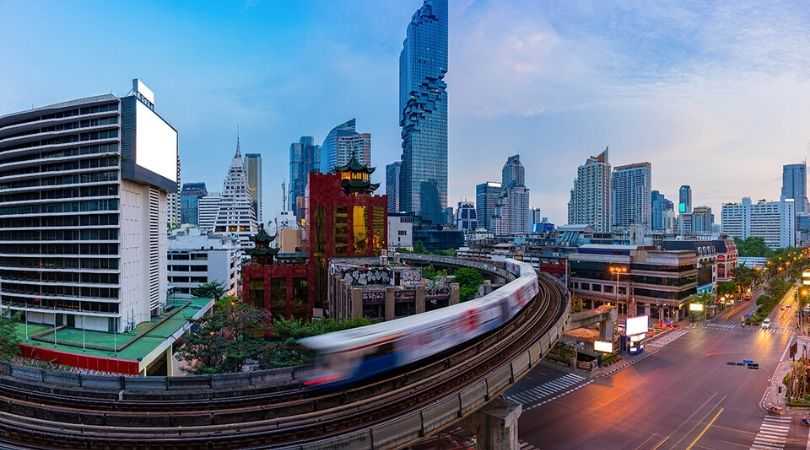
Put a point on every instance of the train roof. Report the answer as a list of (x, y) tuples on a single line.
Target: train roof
[(331, 342)]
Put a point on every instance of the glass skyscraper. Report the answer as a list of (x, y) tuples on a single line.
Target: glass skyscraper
[(423, 112), (341, 143), (794, 184), (190, 202), (305, 157)]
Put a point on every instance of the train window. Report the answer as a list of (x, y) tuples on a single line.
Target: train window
[(381, 350)]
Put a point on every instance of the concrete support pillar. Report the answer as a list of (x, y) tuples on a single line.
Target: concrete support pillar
[(496, 425), (420, 299), (389, 304), (357, 303), (454, 293), (170, 361)]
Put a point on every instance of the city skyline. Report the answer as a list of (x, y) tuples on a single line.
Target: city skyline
[(554, 69)]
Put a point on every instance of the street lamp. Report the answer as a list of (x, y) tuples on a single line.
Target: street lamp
[(618, 271)]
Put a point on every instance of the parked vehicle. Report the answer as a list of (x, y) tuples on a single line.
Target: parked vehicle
[(766, 324)]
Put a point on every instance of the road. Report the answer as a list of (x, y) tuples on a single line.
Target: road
[(683, 396)]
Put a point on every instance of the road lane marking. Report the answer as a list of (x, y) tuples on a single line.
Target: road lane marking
[(676, 431), (705, 429), (661, 443), (773, 433)]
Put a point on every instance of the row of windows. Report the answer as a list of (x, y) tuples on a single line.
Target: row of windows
[(67, 126), (65, 152), (59, 249), (80, 137), (84, 178), (188, 279), (187, 256), (71, 305), (78, 206), (60, 221), (107, 234), (61, 291), (60, 263), (59, 277), (188, 268), (93, 163), (71, 113), (106, 190)]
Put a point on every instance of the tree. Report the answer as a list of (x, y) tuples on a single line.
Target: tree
[(752, 246), (419, 248), (225, 339), (469, 281), (211, 289), (8, 339)]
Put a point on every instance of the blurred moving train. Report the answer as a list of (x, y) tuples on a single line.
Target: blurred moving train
[(348, 356)]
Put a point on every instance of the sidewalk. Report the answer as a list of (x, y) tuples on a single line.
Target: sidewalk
[(775, 392), (629, 360)]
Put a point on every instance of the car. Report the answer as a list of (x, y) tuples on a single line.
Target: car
[(766, 324)]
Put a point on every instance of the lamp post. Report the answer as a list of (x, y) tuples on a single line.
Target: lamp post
[(618, 271)]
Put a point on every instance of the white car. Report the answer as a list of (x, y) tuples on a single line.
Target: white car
[(766, 324)]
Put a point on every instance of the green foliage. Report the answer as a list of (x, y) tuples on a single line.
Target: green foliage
[(469, 281), (211, 289), (753, 246), (419, 247), (284, 329), (223, 340), (727, 288), (8, 339), (284, 351), (431, 273)]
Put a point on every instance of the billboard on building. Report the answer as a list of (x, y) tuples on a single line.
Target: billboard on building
[(148, 146), (637, 325), (603, 346), (696, 307)]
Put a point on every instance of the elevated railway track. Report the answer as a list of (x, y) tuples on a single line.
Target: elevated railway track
[(387, 412)]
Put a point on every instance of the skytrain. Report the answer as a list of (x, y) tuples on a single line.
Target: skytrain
[(348, 356)]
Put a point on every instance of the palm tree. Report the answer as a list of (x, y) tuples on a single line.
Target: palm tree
[(211, 289)]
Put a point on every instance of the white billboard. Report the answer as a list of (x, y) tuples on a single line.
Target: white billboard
[(155, 143), (696, 307), (637, 325), (603, 346)]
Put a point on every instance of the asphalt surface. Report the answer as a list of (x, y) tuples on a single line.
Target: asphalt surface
[(683, 396)]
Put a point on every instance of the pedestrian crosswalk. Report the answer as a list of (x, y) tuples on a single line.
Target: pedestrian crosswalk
[(551, 390), (655, 344), (772, 433), (725, 326), (526, 446), (750, 328)]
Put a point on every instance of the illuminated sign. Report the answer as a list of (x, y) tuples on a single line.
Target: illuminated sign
[(682, 207), (637, 325), (603, 346), (696, 307)]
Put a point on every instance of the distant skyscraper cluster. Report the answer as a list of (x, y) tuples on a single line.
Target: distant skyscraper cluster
[(512, 213), (486, 202), (423, 113), (631, 187)]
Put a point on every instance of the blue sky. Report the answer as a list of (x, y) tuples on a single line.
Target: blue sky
[(713, 94)]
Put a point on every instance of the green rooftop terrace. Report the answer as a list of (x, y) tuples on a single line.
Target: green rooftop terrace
[(133, 345)]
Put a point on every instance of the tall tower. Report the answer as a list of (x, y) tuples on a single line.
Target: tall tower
[(423, 112), (392, 185), (794, 185), (253, 167), (685, 199), (236, 215), (342, 143), (590, 196), (631, 188)]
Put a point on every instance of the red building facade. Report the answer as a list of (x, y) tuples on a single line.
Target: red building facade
[(343, 218)]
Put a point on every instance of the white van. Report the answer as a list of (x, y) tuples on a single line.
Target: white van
[(766, 324)]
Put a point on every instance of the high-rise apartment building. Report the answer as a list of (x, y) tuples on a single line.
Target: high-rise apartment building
[(253, 168), (196, 258), (513, 213), (774, 222), (631, 188), (590, 196), (392, 185), (83, 213), (466, 218), (341, 143), (486, 200), (236, 216), (190, 197), (660, 206), (702, 220), (305, 157), (794, 185), (173, 202), (685, 199), (208, 208), (423, 112)]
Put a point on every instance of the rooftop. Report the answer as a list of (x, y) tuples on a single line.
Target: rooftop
[(134, 345)]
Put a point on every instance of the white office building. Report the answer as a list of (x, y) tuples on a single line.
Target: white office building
[(590, 196), (774, 222), (207, 210), (195, 258), (83, 211), (236, 215), (400, 231)]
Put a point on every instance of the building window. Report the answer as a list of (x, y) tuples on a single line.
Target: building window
[(360, 232), (341, 231)]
